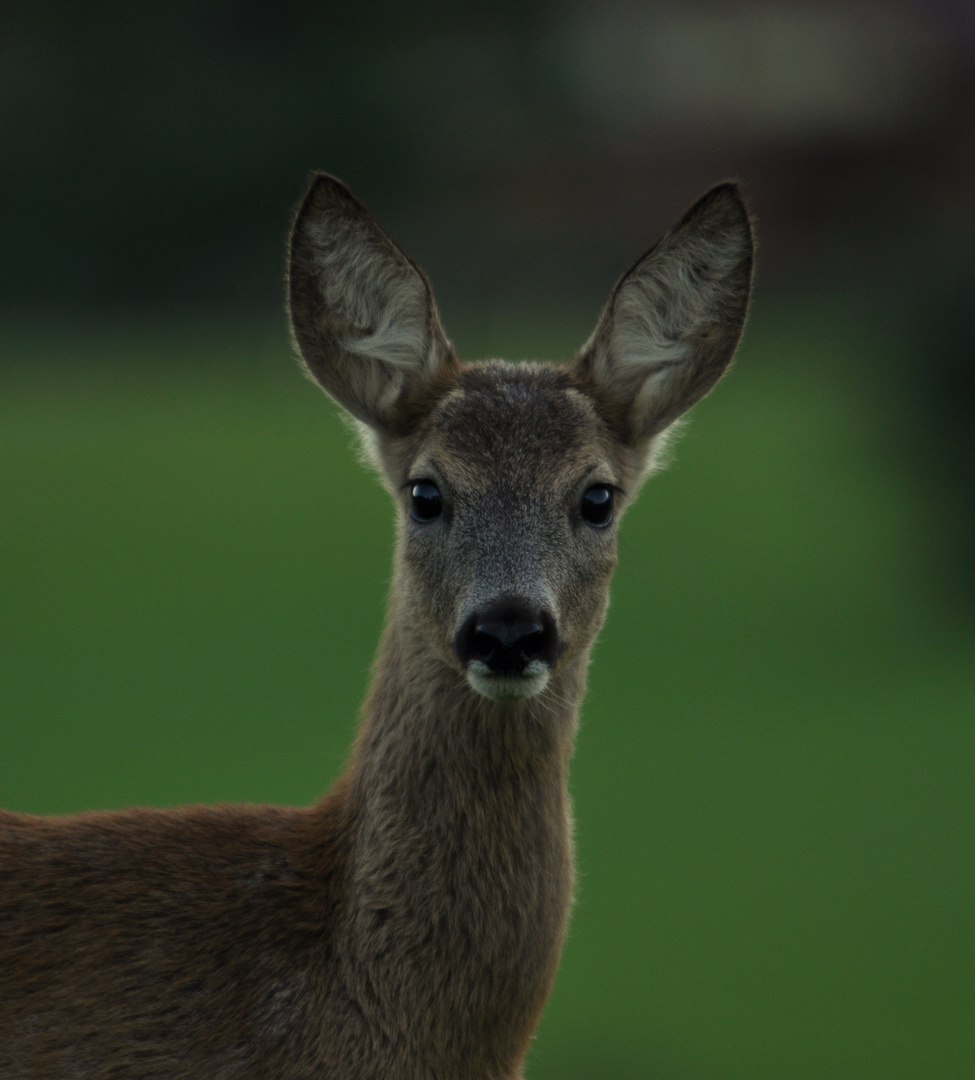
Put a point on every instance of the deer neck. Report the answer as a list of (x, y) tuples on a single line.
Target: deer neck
[(460, 847)]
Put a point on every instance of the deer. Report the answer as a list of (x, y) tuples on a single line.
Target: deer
[(408, 925)]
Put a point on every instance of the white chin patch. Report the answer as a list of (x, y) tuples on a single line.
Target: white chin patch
[(508, 687)]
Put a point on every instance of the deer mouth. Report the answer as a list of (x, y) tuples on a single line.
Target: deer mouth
[(499, 686)]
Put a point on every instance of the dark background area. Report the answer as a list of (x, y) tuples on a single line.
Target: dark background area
[(774, 778), (148, 154)]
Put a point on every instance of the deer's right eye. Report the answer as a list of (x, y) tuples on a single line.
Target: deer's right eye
[(425, 502)]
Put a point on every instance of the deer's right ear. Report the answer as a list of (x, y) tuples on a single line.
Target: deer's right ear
[(362, 312)]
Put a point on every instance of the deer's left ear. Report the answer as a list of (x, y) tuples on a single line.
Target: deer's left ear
[(362, 312), (673, 321)]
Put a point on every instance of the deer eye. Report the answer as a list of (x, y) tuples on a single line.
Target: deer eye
[(425, 502), (597, 506)]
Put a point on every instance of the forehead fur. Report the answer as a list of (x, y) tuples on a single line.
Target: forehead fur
[(495, 421), (501, 416)]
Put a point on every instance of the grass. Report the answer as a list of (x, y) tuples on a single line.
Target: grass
[(773, 783)]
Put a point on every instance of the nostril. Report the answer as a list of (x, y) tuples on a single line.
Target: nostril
[(506, 637)]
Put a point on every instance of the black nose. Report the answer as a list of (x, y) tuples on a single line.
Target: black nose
[(507, 636)]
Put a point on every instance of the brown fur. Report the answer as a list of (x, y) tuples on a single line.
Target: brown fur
[(409, 924)]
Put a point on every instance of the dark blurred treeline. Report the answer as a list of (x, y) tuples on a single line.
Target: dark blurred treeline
[(523, 150), (151, 152)]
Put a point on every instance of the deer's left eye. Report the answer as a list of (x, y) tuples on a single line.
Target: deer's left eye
[(425, 502), (597, 506)]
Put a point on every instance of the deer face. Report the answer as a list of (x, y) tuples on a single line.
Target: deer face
[(508, 515), (511, 478)]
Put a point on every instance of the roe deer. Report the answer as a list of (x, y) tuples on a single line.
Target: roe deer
[(408, 925)]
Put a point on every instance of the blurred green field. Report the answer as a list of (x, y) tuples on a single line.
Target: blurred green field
[(774, 778)]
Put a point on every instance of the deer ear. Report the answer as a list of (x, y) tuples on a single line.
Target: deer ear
[(673, 321), (362, 312)]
